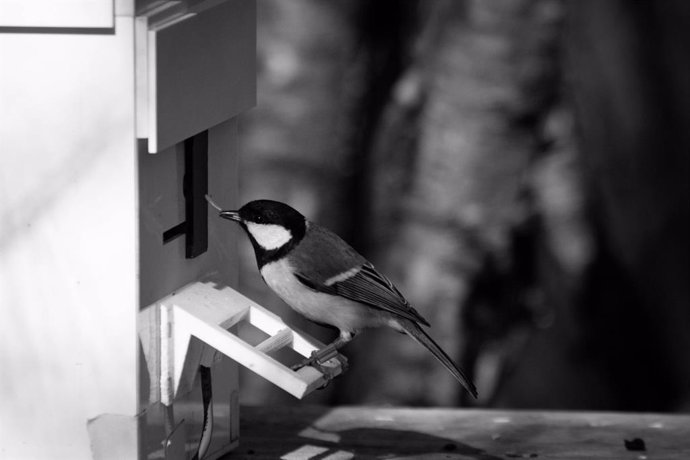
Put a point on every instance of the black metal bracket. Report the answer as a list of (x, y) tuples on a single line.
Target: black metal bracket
[(194, 189)]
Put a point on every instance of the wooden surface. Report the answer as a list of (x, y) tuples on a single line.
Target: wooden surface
[(304, 432)]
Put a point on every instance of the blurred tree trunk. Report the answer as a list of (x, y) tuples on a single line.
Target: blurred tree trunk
[(447, 176), (619, 339), (631, 87), (437, 137)]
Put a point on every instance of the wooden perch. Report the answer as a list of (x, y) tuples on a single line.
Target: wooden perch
[(205, 311)]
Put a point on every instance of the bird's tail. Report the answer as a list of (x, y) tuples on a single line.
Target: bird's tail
[(420, 336)]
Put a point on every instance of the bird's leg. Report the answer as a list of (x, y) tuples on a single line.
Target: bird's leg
[(318, 357)]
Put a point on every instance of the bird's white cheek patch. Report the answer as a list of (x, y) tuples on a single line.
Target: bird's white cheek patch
[(269, 236)]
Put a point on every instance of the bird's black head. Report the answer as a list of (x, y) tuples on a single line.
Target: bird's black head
[(274, 228)]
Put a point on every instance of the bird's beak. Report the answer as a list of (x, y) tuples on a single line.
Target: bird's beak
[(231, 215)]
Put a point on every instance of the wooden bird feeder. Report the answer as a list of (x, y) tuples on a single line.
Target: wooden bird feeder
[(130, 320), (191, 334)]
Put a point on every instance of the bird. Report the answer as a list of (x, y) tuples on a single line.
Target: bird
[(323, 278)]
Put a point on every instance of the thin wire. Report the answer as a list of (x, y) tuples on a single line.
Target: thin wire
[(213, 203)]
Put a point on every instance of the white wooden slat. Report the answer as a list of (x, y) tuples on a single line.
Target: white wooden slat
[(211, 301), (203, 310), (272, 324), (239, 350), (282, 339), (268, 321)]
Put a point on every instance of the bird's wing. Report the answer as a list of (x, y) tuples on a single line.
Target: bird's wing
[(366, 285), (346, 273)]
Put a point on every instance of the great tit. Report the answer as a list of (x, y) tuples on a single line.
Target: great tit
[(320, 276)]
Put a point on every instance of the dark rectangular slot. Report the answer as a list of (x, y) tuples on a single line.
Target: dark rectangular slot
[(172, 233), (196, 188)]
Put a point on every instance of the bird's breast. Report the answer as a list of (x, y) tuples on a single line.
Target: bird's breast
[(333, 310)]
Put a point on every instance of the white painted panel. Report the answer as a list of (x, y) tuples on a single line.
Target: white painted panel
[(56, 13), (68, 304), (201, 72)]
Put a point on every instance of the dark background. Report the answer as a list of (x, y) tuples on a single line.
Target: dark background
[(519, 168)]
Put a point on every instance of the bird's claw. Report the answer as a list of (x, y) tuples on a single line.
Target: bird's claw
[(317, 360), (312, 361), (329, 372), (344, 365)]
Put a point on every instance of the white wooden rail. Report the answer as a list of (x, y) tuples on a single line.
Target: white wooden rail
[(209, 312)]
